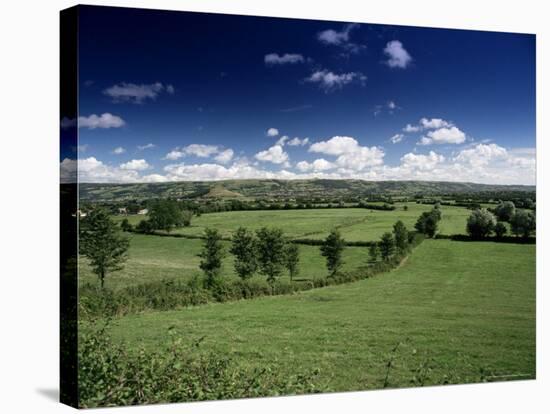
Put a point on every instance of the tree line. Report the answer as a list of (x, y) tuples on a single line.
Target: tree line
[(482, 223)]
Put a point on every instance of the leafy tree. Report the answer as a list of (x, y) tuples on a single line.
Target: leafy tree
[(505, 210), (523, 223), (428, 221), (102, 243), (480, 224), (292, 259), (186, 216), (270, 252), (528, 203), (401, 236), (374, 252), (144, 226), (211, 256), (387, 245), (332, 250), (164, 215), (125, 225), (243, 247), (500, 229), (405, 207)]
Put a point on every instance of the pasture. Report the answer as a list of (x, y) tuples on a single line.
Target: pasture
[(355, 224), (454, 312), (153, 258)]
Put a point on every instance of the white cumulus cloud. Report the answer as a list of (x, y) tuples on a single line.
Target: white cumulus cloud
[(274, 154), (119, 150), (318, 165), (135, 165), (272, 132), (451, 135), (398, 57), (421, 161), (224, 156), (104, 121)]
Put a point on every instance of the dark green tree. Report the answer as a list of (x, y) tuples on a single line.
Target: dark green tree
[(386, 246), (428, 221), (211, 256), (480, 224), (401, 236), (165, 215), (186, 216), (102, 243), (270, 252), (292, 259), (144, 226), (332, 249), (374, 252), (505, 210), (523, 223), (243, 247), (500, 229), (125, 225)]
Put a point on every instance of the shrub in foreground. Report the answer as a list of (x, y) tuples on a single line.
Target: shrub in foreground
[(110, 375)]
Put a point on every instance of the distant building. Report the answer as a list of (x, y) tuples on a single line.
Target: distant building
[(143, 212), (123, 211)]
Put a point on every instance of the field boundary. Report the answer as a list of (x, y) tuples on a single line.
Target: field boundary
[(170, 294), (304, 241)]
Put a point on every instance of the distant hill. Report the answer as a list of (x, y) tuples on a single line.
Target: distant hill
[(219, 191), (282, 189)]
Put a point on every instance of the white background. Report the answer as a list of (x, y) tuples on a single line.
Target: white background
[(29, 203)]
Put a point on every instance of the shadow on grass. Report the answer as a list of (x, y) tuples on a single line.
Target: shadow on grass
[(504, 239)]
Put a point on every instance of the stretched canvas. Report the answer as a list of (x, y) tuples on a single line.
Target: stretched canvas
[(258, 206)]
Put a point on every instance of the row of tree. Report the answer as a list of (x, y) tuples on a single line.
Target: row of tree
[(391, 244), (428, 221), (266, 251), (483, 223)]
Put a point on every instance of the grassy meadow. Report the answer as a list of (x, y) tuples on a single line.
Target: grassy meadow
[(456, 311), (355, 224), (154, 257)]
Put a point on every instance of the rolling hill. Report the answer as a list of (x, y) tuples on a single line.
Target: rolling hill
[(273, 189)]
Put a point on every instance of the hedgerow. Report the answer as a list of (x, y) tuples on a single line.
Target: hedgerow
[(111, 375)]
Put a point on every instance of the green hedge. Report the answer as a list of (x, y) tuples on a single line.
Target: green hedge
[(110, 375), (173, 294)]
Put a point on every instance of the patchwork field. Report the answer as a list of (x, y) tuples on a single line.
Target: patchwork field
[(355, 224), (154, 257), (456, 311)]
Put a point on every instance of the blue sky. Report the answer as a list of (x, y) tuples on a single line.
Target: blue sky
[(166, 96)]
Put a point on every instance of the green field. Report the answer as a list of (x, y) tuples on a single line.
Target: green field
[(155, 257), (462, 311), (355, 224)]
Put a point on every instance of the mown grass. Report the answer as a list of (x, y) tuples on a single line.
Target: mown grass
[(457, 312)]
